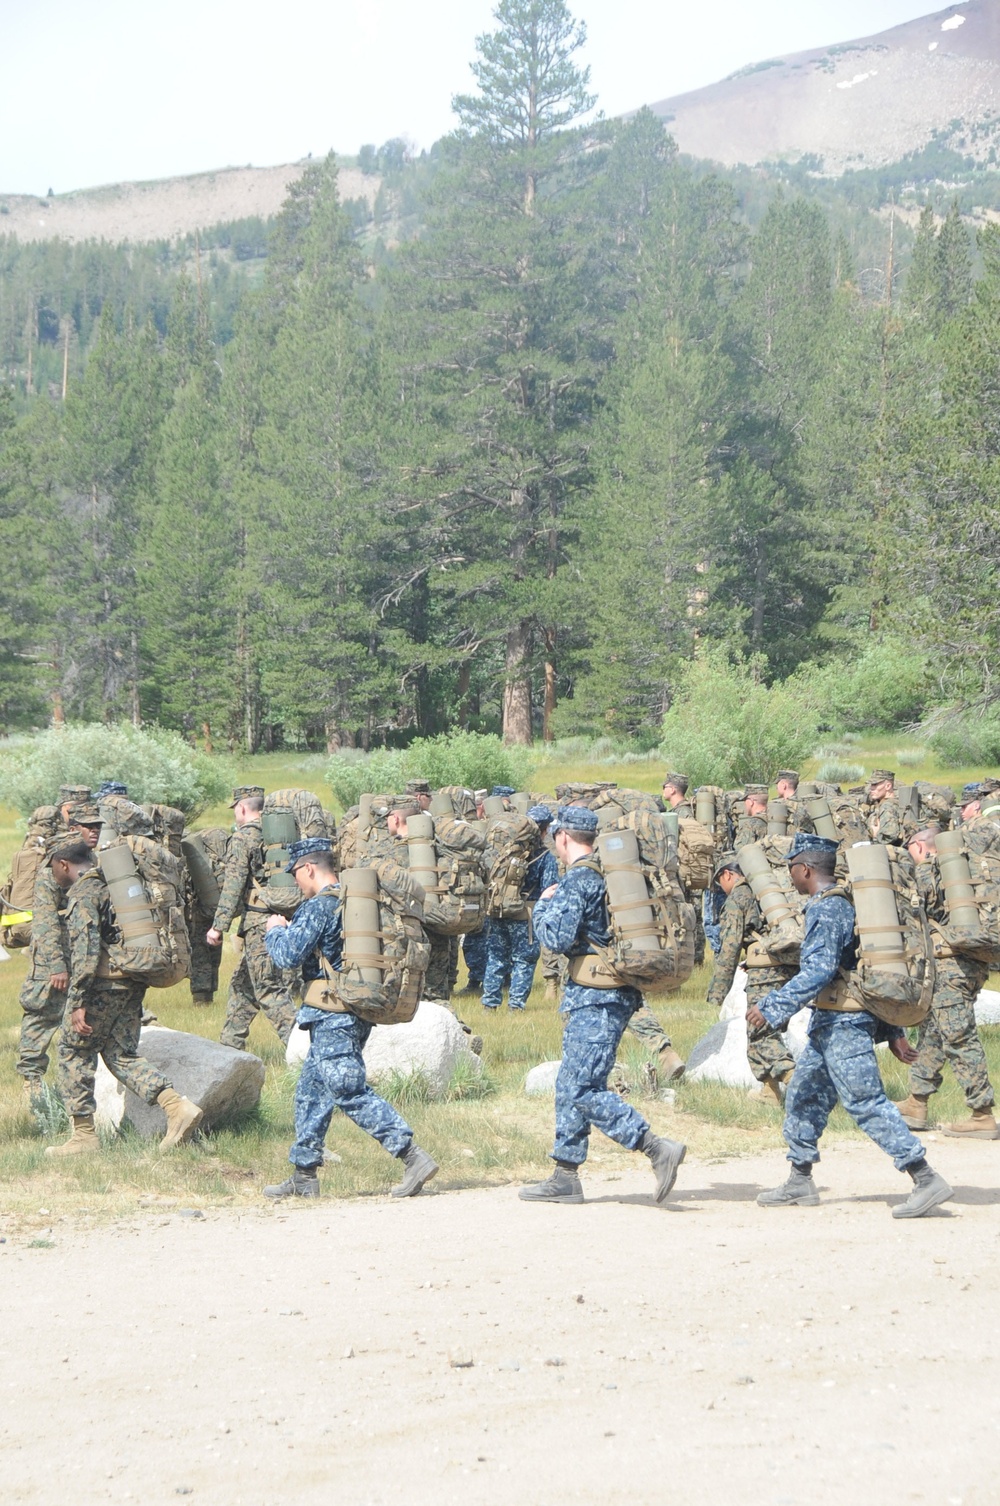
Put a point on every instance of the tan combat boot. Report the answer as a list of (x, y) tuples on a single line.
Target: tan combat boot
[(183, 1118), (551, 991), (82, 1142), (669, 1065), (914, 1111), (982, 1126), (769, 1092)]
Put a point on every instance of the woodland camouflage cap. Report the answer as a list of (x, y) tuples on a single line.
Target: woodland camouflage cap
[(246, 792), (755, 792), (879, 776), (84, 814), (74, 792)]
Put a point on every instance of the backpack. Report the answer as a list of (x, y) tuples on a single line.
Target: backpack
[(895, 998), (628, 961), (457, 905), (146, 885), (581, 793), (624, 801), (847, 818), (288, 816), (778, 944), (695, 854), (168, 826), (512, 841), (204, 852), (936, 802), (981, 943), (17, 897), (400, 962)]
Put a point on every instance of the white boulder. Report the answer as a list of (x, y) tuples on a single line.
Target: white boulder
[(721, 1054), (988, 1007), (431, 1044), (542, 1079), (223, 1082), (734, 1005)]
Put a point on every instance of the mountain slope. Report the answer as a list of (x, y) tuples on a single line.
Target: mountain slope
[(164, 209), (858, 104)]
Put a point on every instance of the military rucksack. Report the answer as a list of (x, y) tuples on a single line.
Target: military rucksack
[(847, 818), (623, 801), (287, 817), (581, 793), (781, 906), (936, 802), (457, 905), (695, 854), (512, 841), (382, 973), (651, 925), (204, 853), (895, 997), (167, 826), (17, 897), (146, 885), (980, 942)]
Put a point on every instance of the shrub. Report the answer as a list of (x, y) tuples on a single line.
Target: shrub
[(835, 772), (910, 758), (156, 765), (962, 739), (727, 727), (474, 759), (886, 685)]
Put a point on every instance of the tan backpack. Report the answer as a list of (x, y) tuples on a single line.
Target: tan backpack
[(695, 854), (512, 841), (17, 897), (382, 973), (146, 885)]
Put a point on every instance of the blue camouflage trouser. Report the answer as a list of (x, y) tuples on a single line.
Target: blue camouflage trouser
[(512, 951), (474, 948), (590, 1044), (839, 1062), (333, 1077)]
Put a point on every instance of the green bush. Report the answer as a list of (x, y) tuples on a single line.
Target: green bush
[(476, 760), (965, 739), (727, 727), (156, 765), (886, 685), (837, 772)]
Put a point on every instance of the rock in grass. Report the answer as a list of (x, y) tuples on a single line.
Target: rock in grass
[(988, 1007), (721, 1054), (223, 1082), (542, 1079), (431, 1044)]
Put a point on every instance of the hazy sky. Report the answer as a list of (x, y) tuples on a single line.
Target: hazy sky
[(95, 91)]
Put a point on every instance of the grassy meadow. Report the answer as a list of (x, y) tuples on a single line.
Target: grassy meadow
[(483, 1133)]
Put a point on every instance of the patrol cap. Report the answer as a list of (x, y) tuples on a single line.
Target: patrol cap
[(878, 776), (503, 791), (970, 792), (110, 787), (805, 845), (679, 781), (790, 774), (576, 819), (84, 814), (540, 814), (75, 793), (308, 847), (246, 792), (728, 860), (755, 792), (418, 787)]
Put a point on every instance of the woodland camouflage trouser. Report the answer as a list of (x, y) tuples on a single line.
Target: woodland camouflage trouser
[(257, 985), (43, 1012), (437, 982), (553, 965), (647, 1028), (949, 1034), (114, 1014), (766, 1051), (205, 959)]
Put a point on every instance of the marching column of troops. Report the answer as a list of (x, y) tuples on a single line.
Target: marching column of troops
[(70, 991)]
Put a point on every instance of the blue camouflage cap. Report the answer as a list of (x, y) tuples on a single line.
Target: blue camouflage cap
[(503, 791), (110, 787), (540, 814), (308, 847), (971, 792), (805, 843), (575, 818)]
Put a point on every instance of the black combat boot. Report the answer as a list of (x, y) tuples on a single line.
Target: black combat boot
[(563, 1186), (666, 1157), (303, 1182), (929, 1190), (800, 1189)]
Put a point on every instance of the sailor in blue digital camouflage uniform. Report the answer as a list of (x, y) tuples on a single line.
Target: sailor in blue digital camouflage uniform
[(512, 949), (571, 918), (333, 1075), (838, 1061)]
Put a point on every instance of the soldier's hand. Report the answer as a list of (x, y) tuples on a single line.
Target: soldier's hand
[(274, 921), (548, 893), (755, 1020), (213, 937), (59, 981), (902, 1050), (78, 1019)]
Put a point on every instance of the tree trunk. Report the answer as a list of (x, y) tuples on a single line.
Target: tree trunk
[(548, 734), (58, 715), (464, 682), (206, 732), (759, 584), (134, 697), (517, 686)]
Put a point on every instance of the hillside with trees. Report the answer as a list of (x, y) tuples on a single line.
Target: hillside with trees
[(556, 415)]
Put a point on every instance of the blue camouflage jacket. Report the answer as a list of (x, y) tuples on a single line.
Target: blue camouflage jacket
[(315, 927), (574, 922), (828, 944), (543, 870)]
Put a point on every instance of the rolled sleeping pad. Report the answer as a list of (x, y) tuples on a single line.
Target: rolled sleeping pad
[(628, 896), (128, 896), (279, 830), (808, 790), (208, 890), (442, 805), (494, 805), (777, 818), (881, 938), (821, 816), (704, 808), (956, 879), (762, 880), (607, 816), (672, 822), (362, 942), (421, 851), (908, 798), (521, 803)]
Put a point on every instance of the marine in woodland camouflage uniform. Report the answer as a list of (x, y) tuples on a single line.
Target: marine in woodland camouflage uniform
[(43, 993), (786, 787), (887, 820), (256, 985), (675, 791), (741, 923), (980, 811), (752, 825), (949, 1033)]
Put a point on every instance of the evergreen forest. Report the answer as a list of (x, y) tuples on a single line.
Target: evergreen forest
[(573, 416)]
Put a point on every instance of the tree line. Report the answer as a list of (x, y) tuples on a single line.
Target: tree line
[(516, 473)]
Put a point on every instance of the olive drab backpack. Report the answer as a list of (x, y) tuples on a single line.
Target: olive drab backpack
[(781, 906), (895, 997), (457, 905), (623, 801), (579, 793), (848, 817), (980, 943), (17, 897), (695, 854), (386, 950), (204, 852), (512, 841), (146, 885), (936, 802), (288, 816), (168, 826)]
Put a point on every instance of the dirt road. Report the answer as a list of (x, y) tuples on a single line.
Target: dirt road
[(467, 1347)]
